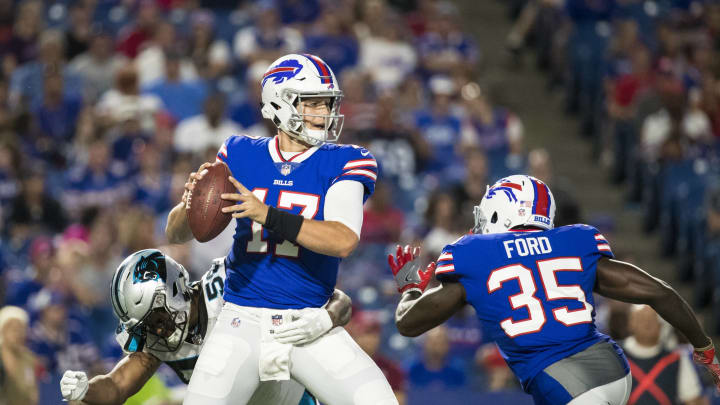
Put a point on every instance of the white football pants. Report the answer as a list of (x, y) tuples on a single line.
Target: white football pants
[(333, 367), (614, 393)]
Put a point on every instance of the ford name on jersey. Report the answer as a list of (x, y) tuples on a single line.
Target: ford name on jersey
[(263, 270), (183, 360), (527, 246), (532, 291)]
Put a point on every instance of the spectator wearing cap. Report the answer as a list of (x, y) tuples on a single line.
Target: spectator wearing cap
[(98, 65), (444, 49), (210, 129), (152, 61), (182, 98), (386, 56), (660, 375), (267, 40), (36, 276), (18, 384), (26, 82), (434, 369), (210, 55), (366, 330), (441, 129)]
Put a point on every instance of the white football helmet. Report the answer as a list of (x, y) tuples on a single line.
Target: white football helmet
[(517, 200), (151, 297), (294, 78)]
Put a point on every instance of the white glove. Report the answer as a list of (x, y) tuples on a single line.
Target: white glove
[(74, 385), (308, 327)]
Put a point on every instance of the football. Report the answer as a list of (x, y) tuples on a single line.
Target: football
[(204, 205)]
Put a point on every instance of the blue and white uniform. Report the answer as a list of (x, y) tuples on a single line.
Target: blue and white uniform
[(533, 293), (270, 281), (264, 271)]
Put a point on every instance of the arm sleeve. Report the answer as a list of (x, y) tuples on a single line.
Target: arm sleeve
[(688, 381), (344, 203)]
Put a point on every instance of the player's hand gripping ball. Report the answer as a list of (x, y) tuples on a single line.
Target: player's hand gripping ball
[(249, 205), (203, 205), (406, 270)]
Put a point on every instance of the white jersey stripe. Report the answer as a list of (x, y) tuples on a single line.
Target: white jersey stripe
[(361, 172), (604, 246), (360, 163)]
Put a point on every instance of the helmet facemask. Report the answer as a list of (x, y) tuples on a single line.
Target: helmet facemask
[(162, 329), (332, 122)]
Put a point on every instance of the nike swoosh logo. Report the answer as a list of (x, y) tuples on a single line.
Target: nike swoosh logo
[(408, 277), (365, 153)]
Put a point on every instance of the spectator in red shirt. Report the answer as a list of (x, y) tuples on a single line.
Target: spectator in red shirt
[(366, 329), (133, 37), (382, 222)]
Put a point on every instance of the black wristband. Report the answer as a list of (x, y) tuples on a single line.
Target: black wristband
[(283, 224)]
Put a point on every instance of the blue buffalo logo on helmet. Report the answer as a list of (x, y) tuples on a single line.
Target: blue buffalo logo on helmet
[(282, 71), (150, 268)]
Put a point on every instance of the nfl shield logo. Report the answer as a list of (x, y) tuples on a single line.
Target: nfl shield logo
[(277, 320), (285, 169)]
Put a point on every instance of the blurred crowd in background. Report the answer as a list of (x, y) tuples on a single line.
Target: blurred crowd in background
[(106, 106)]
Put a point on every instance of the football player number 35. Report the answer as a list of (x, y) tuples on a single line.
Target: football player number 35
[(287, 200), (553, 291)]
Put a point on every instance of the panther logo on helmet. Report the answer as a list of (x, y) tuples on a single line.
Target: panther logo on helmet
[(150, 268)]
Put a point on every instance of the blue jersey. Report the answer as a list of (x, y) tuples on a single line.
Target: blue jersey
[(262, 270), (532, 291)]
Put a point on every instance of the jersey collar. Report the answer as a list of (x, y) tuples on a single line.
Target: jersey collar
[(277, 157)]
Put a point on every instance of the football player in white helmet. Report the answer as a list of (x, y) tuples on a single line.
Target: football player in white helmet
[(298, 211), (532, 288), (165, 319)]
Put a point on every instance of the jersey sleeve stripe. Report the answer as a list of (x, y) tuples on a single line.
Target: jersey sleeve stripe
[(360, 163), (600, 238), (604, 246), (446, 268), (361, 172), (445, 256)]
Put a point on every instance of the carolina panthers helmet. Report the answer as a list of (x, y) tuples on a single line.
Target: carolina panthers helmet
[(151, 297), (294, 78), (513, 201)]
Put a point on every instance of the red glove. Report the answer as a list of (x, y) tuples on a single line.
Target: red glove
[(706, 357), (405, 268)]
